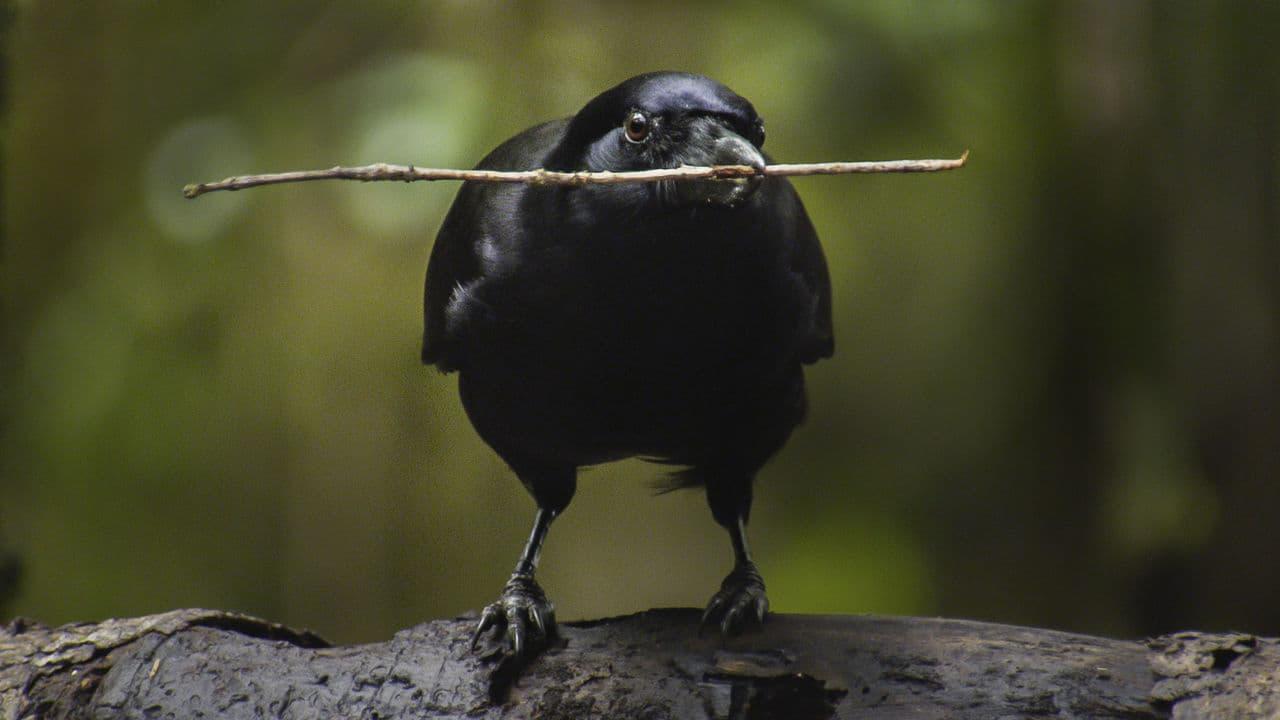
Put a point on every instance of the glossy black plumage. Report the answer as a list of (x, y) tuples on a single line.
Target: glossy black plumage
[(668, 321)]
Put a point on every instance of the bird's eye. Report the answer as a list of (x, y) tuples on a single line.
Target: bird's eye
[(637, 126)]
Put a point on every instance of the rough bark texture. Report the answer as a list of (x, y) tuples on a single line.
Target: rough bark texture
[(654, 665)]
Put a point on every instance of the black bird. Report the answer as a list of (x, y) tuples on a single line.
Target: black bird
[(668, 321)]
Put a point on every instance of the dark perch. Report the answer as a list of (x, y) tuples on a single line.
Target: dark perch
[(654, 665)]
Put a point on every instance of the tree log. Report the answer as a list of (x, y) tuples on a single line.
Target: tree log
[(653, 665)]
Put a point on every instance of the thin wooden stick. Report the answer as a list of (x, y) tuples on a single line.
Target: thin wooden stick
[(409, 173)]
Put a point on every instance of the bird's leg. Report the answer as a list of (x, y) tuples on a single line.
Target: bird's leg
[(741, 599), (523, 610), (533, 548)]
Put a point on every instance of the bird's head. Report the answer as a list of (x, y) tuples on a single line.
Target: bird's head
[(665, 120)]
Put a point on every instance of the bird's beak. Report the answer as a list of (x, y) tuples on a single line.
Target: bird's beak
[(710, 142)]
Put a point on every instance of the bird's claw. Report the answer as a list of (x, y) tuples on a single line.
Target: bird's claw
[(522, 621), (740, 601)]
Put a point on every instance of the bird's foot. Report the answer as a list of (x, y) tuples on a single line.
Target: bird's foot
[(520, 622), (740, 602)]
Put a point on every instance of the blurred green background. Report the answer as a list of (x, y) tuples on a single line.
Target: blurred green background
[(1056, 393)]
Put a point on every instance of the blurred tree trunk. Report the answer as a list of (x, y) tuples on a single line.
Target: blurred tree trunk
[(199, 663), (1221, 102), (10, 568), (1146, 295)]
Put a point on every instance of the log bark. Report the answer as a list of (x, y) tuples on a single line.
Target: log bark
[(653, 665)]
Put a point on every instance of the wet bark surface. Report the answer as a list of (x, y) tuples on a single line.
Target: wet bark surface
[(652, 665)]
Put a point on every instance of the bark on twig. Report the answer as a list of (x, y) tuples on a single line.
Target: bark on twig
[(654, 665), (409, 173)]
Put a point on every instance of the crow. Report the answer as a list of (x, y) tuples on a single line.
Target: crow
[(669, 321)]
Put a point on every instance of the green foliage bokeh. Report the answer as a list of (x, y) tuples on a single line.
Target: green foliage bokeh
[(1054, 398)]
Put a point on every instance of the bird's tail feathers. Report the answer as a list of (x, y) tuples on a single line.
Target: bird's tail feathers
[(685, 478)]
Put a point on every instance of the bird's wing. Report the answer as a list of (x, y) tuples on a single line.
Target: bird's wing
[(455, 262), (809, 262)]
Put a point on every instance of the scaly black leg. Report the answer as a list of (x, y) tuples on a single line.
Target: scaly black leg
[(741, 599), (523, 610)]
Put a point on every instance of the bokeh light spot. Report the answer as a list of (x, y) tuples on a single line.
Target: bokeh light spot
[(201, 150)]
